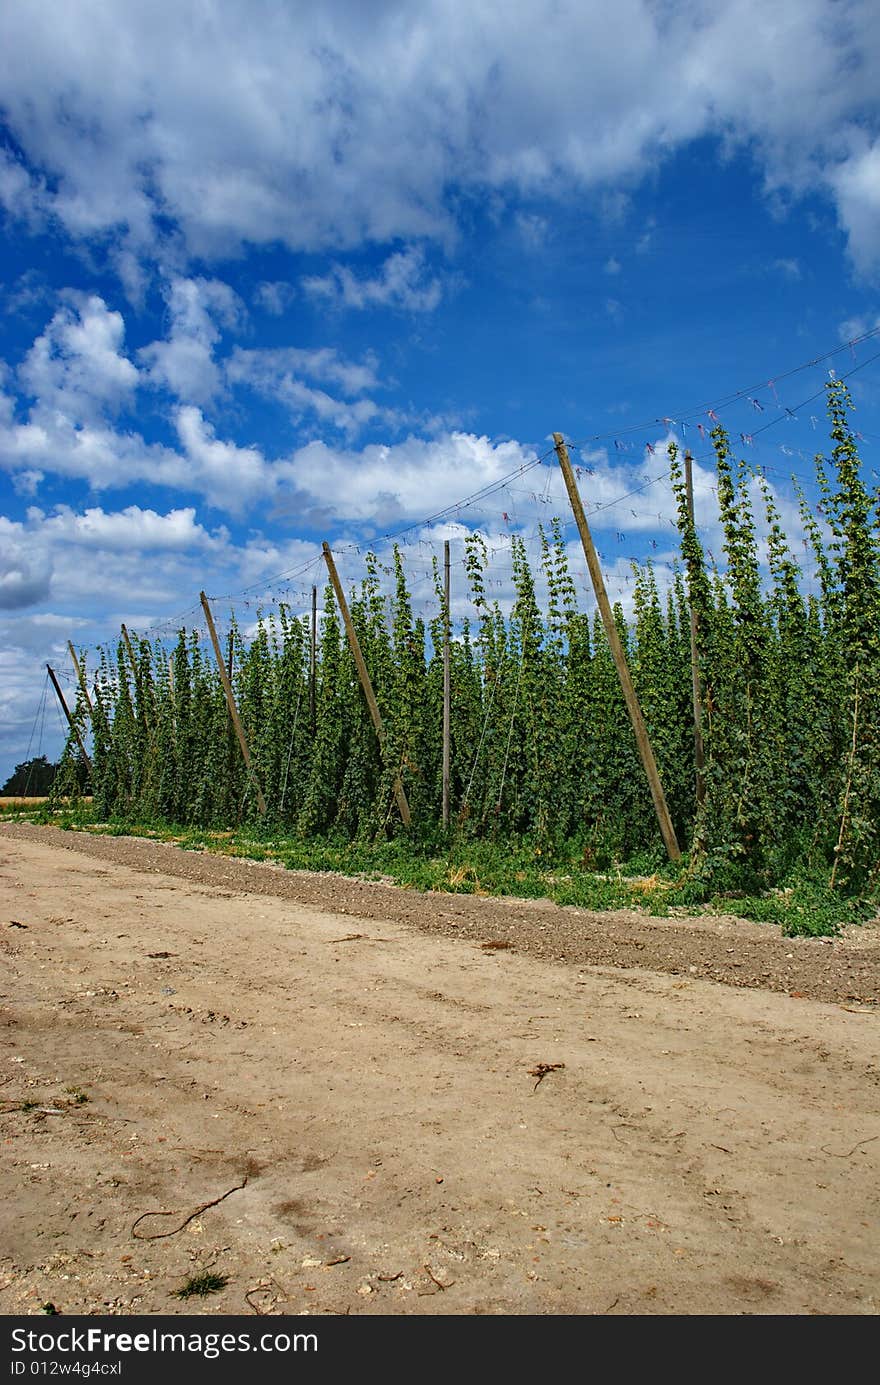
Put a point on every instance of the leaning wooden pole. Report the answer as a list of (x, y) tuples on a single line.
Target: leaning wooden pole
[(81, 678), (313, 659), (70, 720), (230, 702), (447, 688), (363, 675), (697, 693), (667, 831), (128, 645)]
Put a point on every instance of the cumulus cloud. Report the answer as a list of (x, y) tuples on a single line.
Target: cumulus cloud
[(95, 452), (857, 186), (25, 575), (184, 363), (402, 282), (123, 530), (44, 555), (22, 195), (387, 483), (76, 367), (228, 476), (328, 126)]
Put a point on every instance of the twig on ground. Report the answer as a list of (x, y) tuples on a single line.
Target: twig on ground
[(160, 1235), (540, 1070), (439, 1282), (869, 1141)]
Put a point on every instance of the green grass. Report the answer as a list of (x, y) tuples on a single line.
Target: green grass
[(200, 1285), (801, 904)]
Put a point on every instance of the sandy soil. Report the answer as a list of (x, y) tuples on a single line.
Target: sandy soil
[(351, 1079)]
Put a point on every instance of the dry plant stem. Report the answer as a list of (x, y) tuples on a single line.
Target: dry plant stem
[(160, 1235)]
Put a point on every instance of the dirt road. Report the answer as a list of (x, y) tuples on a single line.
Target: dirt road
[(358, 1078)]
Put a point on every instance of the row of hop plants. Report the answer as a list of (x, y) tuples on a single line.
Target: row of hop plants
[(541, 745)]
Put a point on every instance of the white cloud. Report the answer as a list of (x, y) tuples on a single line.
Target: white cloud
[(25, 570), (66, 555), (402, 282), (533, 229), (76, 366), (857, 327), (328, 126), (29, 291), (856, 184), (278, 374), (348, 418), (267, 368), (184, 363), (274, 297), (27, 482), (98, 453), (406, 480), (228, 476), (131, 528), (21, 195)]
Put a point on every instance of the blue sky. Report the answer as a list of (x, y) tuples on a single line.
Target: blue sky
[(278, 273)]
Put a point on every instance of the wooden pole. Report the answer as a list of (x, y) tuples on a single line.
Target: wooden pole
[(70, 721), (363, 675), (230, 701), (313, 659), (80, 673), (699, 752), (446, 684), (667, 831), (128, 646)]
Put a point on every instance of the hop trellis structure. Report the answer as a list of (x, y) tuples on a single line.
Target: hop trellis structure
[(541, 747)]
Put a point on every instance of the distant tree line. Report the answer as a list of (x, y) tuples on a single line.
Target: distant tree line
[(30, 779)]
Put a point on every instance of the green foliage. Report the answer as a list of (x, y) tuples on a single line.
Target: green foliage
[(803, 907), (543, 757), (201, 1285), (31, 779)]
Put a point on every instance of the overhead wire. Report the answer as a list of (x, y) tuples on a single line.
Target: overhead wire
[(593, 507)]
